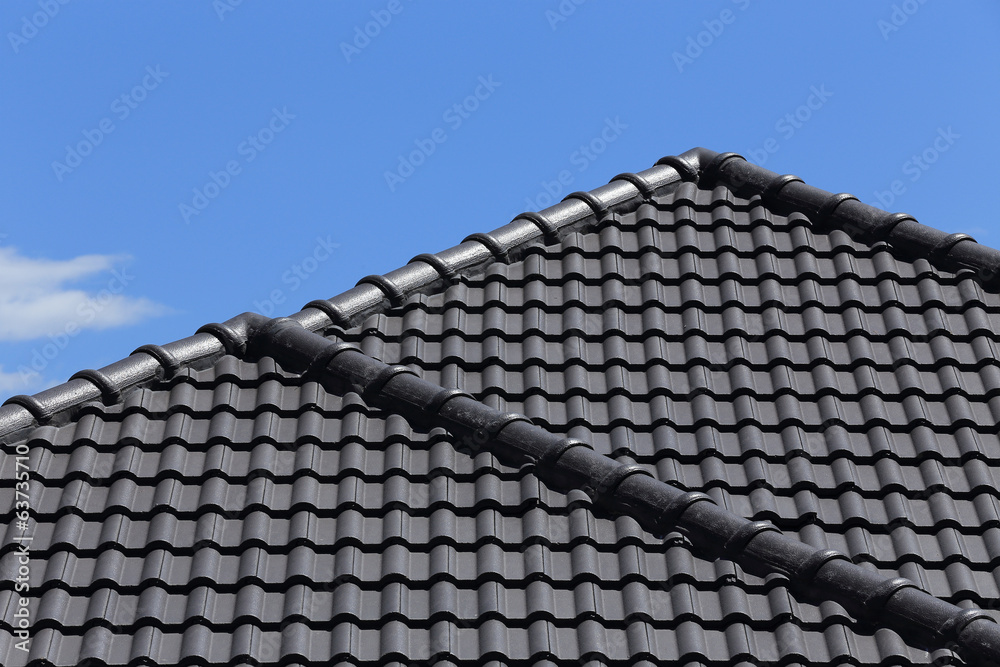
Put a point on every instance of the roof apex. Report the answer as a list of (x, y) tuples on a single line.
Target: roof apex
[(706, 168)]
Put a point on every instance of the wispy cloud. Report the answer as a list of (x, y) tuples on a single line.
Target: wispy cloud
[(12, 383), (35, 300)]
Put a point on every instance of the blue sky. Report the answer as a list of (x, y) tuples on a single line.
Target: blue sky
[(165, 164)]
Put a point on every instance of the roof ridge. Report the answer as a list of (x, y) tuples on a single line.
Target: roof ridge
[(149, 363), (862, 222), (623, 193)]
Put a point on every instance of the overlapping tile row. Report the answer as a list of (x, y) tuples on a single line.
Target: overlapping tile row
[(961, 460), (465, 567), (493, 642), (556, 551), (833, 495), (239, 513)]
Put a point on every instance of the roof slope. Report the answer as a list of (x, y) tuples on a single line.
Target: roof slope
[(221, 510)]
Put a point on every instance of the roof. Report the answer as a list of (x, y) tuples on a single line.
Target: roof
[(270, 491)]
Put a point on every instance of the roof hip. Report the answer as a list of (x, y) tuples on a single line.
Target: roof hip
[(758, 547)]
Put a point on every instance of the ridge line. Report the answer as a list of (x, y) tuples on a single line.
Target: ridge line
[(625, 192), (55, 405)]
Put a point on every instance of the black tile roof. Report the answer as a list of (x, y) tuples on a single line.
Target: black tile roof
[(701, 360)]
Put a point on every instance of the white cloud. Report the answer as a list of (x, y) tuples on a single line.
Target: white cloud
[(34, 301), (24, 381), (16, 383)]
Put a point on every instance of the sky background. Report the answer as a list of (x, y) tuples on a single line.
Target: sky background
[(165, 164)]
